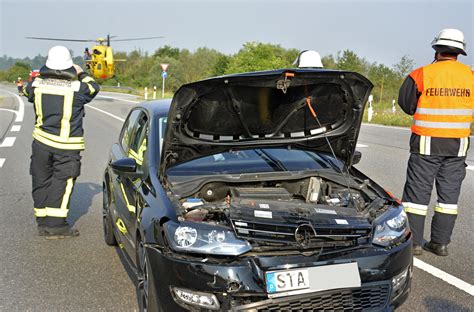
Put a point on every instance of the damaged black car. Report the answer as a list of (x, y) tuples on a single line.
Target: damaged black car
[(240, 194)]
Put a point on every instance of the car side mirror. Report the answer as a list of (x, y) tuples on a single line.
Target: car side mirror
[(356, 157), (124, 166)]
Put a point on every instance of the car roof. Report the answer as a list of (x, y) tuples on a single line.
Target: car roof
[(157, 107)]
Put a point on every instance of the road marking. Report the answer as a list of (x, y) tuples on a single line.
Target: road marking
[(107, 113), (383, 126), (115, 93), (448, 278), (20, 113), (361, 145), (15, 128), (8, 110), (118, 99), (393, 127), (2, 161), (8, 142), (470, 167)]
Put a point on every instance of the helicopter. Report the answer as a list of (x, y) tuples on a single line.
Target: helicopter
[(100, 62)]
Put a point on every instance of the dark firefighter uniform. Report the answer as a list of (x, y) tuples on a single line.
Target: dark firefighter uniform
[(59, 102), (440, 97)]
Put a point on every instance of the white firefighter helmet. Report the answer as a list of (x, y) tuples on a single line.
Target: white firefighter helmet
[(19, 78), (449, 40), (308, 58), (59, 58)]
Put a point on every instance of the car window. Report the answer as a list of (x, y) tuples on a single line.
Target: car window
[(138, 133), (127, 128), (138, 139)]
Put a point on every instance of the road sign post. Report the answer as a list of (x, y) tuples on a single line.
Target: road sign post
[(164, 74)]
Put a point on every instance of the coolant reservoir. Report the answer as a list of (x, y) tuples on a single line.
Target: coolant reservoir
[(314, 188)]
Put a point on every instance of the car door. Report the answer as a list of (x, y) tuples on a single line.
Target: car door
[(132, 145)]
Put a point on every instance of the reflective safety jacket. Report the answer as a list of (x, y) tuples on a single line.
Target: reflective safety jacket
[(440, 96), (59, 108)]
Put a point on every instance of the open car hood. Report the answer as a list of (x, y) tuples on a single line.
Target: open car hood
[(266, 109)]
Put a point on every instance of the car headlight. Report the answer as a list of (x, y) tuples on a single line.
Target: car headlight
[(204, 239), (391, 227)]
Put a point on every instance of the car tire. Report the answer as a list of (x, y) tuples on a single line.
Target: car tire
[(146, 290), (107, 222)]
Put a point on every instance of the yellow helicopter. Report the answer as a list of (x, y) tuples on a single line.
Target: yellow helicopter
[(100, 62)]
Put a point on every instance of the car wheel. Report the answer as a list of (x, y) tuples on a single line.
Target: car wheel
[(147, 295), (108, 224)]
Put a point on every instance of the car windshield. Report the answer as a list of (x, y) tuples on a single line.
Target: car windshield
[(255, 160)]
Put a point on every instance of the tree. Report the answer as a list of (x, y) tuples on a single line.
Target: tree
[(351, 62), (404, 66), (256, 56), (167, 51), (19, 69), (221, 65), (329, 61)]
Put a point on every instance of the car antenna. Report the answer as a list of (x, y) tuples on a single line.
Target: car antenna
[(315, 116)]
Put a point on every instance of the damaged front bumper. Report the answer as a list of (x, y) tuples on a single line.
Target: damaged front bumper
[(238, 283)]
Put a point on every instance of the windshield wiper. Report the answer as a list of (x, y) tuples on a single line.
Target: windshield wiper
[(274, 163)]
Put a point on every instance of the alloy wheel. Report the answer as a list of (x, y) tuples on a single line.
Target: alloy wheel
[(143, 289)]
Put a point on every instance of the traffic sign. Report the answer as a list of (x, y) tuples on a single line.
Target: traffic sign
[(164, 67), (164, 74)]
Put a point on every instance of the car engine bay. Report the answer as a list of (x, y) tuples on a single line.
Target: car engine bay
[(269, 213)]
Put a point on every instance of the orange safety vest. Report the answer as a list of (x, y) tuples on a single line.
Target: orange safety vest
[(446, 104)]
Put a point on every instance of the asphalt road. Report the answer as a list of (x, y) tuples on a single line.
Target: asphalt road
[(84, 274)]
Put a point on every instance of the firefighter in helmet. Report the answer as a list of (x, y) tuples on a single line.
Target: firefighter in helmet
[(440, 98), (59, 94)]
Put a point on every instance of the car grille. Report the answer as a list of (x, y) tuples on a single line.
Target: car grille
[(372, 298), (285, 233)]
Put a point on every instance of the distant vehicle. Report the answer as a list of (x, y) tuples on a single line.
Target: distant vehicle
[(240, 194), (34, 73), (100, 62)]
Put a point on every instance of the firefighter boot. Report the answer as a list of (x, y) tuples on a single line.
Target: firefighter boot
[(52, 233), (438, 249)]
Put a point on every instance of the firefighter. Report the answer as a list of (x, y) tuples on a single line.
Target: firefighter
[(19, 85), (440, 97), (308, 59), (59, 95)]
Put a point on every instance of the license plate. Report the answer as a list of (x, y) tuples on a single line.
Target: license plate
[(286, 282)]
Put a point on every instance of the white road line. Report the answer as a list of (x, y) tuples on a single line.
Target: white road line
[(117, 99), (383, 126), (361, 145), (20, 113), (2, 161), (8, 142), (448, 278), (9, 110), (107, 113), (470, 167), (393, 127), (15, 128), (116, 93)]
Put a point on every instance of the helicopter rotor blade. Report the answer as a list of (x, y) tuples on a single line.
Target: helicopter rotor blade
[(134, 39), (59, 39)]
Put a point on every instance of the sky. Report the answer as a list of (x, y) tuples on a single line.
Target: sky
[(382, 31)]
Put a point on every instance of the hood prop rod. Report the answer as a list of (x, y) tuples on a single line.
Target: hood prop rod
[(315, 116)]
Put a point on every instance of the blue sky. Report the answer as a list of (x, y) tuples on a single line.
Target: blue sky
[(381, 31)]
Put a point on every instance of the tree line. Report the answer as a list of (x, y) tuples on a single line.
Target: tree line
[(143, 69)]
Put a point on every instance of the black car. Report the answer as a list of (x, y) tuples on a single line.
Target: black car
[(240, 194)]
